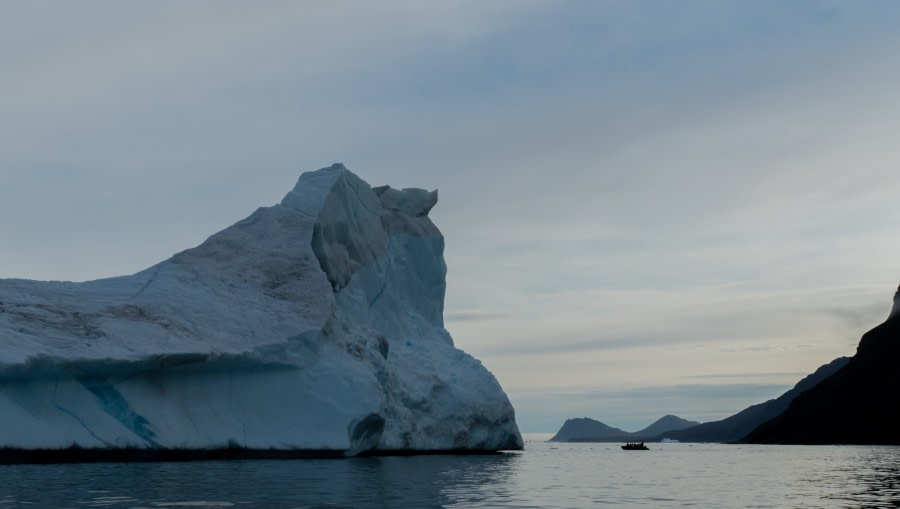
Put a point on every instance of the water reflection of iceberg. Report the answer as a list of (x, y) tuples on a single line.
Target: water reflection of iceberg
[(429, 481)]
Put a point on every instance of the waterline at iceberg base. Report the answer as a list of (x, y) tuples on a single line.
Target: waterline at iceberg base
[(311, 328)]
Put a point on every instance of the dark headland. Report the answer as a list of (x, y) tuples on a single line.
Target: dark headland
[(856, 405), (737, 426), (847, 401)]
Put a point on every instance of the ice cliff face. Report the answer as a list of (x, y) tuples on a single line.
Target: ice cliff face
[(315, 324)]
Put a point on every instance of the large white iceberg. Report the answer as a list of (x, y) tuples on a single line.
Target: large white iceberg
[(312, 325)]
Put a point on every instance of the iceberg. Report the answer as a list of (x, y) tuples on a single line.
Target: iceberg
[(312, 326)]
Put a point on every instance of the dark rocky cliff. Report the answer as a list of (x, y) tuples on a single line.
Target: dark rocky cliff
[(856, 405), (740, 424)]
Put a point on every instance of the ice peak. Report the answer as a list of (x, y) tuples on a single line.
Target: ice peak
[(410, 201), (313, 188)]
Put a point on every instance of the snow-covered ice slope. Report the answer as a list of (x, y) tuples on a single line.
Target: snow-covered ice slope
[(315, 324)]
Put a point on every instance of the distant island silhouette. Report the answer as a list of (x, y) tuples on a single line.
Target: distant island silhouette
[(584, 429)]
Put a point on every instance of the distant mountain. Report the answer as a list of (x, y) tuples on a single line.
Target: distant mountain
[(664, 425), (856, 405), (582, 428), (588, 430), (738, 425)]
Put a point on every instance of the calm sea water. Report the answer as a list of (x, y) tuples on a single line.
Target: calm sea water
[(542, 476)]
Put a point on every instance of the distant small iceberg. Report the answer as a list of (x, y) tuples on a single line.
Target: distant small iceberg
[(669, 441)]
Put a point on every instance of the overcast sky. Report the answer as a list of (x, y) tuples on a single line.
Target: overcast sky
[(650, 207)]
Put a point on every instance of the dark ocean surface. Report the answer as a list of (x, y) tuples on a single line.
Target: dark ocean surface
[(543, 476)]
